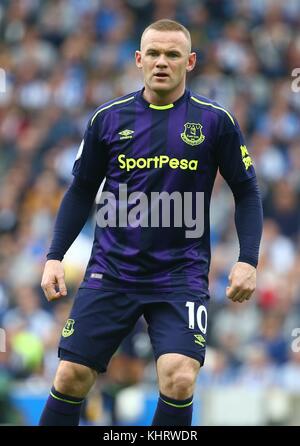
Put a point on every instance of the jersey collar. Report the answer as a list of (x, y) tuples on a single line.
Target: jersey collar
[(146, 104)]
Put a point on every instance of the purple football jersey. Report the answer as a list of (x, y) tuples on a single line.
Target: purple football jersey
[(163, 159)]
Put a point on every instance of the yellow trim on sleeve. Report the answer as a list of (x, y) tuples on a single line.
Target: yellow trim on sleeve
[(108, 106), (214, 106)]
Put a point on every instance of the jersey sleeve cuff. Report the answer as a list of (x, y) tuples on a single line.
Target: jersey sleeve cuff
[(251, 261), (54, 256)]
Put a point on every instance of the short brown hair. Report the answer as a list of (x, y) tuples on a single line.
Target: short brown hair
[(169, 25)]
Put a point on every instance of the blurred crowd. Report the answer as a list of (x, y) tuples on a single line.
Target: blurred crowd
[(64, 58)]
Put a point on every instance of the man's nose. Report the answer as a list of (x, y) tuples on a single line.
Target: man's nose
[(161, 61)]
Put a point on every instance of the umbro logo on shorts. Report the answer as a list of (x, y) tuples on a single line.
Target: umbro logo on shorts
[(199, 339)]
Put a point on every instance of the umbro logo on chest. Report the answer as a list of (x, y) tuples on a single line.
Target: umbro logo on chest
[(191, 135), (126, 134)]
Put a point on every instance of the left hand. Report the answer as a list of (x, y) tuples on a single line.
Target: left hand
[(242, 282)]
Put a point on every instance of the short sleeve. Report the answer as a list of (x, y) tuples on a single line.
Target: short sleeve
[(234, 161), (91, 159)]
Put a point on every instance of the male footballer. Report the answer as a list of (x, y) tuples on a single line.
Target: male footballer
[(159, 150)]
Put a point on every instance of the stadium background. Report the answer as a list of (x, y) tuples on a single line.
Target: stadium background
[(62, 59)]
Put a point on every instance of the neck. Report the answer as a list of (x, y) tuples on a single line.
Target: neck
[(162, 98)]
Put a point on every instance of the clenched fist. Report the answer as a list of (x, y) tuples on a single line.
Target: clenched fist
[(242, 282), (53, 282)]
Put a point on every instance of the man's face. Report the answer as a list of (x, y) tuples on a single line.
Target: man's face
[(165, 58)]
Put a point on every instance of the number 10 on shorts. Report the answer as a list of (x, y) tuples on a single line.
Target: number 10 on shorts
[(201, 316)]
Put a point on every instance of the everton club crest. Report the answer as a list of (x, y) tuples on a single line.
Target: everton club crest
[(68, 329), (192, 134)]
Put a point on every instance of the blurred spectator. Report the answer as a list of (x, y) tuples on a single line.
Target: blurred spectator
[(272, 339), (257, 370), (217, 371), (27, 308), (289, 376), (283, 207), (232, 327)]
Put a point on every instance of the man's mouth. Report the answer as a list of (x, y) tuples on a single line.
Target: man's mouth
[(161, 75)]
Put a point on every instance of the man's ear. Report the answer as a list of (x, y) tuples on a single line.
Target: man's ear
[(138, 59), (191, 62)]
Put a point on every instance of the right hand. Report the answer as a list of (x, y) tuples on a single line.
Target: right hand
[(53, 278)]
